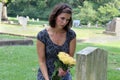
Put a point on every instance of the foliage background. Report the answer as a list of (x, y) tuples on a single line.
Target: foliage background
[(86, 11)]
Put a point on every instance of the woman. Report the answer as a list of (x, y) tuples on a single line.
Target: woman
[(53, 39)]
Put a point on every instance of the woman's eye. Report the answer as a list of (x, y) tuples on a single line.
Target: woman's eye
[(62, 18), (68, 20)]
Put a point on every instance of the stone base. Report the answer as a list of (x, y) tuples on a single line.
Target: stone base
[(16, 42), (110, 33)]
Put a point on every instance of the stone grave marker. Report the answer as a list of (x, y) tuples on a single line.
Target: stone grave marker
[(113, 27), (76, 23), (91, 64), (89, 24), (22, 21), (16, 42), (28, 18), (96, 25), (33, 19), (37, 20)]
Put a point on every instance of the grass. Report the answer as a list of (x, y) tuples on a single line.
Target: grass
[(17, 29), (89, 32), (31, 29), (18, 63), (21, 62)]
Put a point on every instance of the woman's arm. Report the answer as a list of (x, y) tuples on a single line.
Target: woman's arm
[(42, 59), (72, 47)]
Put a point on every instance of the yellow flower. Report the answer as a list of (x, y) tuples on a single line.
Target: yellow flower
[(66, 58), (64, 61)]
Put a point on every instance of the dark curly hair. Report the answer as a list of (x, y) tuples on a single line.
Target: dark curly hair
[(58, 9)]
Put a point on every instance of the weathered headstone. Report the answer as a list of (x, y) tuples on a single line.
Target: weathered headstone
[(16, 42), (22, 21), (76, 23), (37, 20), (33, 19), (91, 64), (27, 18), (17, 17), (96, 25), (0, 11), (89, 24), (113, 27)]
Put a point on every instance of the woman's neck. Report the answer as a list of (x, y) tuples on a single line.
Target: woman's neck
[(56, 30)]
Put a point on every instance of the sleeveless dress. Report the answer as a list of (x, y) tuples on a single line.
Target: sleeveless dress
[(51, 51)]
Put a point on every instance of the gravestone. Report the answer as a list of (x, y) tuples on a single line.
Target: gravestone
[(22, 21), (91, 64), (76, 23), (89, 24), (28, 18), (113, 27), (16, 42), (33, 19), (37, 20), (0, 11), (96, 25)]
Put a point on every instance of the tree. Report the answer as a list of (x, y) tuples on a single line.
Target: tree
[(107, 12), (87, 13), (31, 8), (4, 9)]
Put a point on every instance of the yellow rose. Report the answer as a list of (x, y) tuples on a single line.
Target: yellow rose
[(66, 58)]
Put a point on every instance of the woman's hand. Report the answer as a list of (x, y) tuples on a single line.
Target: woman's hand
[(61, 72)]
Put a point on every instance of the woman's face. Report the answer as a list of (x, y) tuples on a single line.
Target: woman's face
[(62, 20)]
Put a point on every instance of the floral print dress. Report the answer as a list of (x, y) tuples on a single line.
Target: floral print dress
[(51, 51)]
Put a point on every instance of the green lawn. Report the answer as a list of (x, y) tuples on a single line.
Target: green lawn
[(18, 29), (21, 62), (18, 63)]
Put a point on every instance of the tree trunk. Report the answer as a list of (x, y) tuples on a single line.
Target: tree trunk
[(0, 11), (4, 13)]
